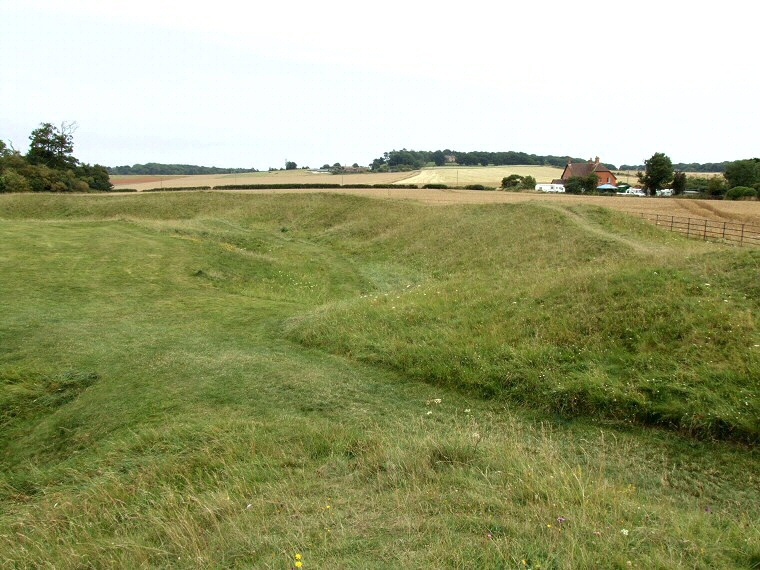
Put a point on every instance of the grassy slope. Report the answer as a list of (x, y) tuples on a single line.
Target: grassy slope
[(569, 315), (153, 411)]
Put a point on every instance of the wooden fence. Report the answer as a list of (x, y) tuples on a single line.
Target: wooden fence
[(708, 230)]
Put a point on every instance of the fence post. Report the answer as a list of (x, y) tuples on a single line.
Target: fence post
[(688, 227), (704, 235), (672, 218), (741, 239), (657, 219), (724, 230)]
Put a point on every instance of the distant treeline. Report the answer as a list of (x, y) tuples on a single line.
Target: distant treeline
[(155, 168), (685, 167), (413, 159), (399, 160)]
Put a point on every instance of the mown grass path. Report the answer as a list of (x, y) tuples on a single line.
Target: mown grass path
[(155, 413)]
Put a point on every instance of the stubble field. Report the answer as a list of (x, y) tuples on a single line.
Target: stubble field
[(139, 182)]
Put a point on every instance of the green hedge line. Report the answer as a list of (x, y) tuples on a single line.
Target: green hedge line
[(478, 187), (739, 192), (177, 188), (307, 186), (436, 186), (273, 186), (282, 187)]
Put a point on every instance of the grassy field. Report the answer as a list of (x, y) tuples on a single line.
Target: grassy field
[(234, 380)]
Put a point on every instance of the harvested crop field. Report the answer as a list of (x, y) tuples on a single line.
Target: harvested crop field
[(129, 180), (277, 177), (487, 176)]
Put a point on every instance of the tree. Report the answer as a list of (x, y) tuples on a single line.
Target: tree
[(290, 165), (679, 183), (743, 172), (49, 166), (52, 147), (528, 183), (658, 172), (716, 186), (582, 184), (95, 176), (511, 182)]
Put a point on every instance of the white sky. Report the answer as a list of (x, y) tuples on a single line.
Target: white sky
[(234, 83)]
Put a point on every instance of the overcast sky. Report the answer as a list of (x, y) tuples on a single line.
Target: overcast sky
[(234, 83)]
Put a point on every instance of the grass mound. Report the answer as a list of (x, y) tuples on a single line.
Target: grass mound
[(561, 319), (155, 411)]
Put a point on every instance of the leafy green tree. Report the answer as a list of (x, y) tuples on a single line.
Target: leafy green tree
[(574, 185), (658, 172), (53, 147), (740, 192), (679, 183), (743, 172), (511, 182), (49, 166), (290, 165), (528, 183), (95, 176), (699, 183), (716, 186), (438, 157), (590, 182), (582, 184), (12, 181)]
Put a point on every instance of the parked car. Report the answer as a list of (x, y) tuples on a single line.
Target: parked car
[(633, 192), (550, 187)]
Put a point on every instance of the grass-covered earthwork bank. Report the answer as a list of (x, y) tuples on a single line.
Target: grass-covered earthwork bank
[(220, 380)]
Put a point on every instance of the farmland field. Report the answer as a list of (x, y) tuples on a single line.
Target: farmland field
[(139, 182), (250, 380), (487, 176)]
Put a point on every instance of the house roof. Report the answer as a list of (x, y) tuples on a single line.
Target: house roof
[(583, 168)]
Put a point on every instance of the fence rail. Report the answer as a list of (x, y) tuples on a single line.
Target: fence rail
[(707, 230)]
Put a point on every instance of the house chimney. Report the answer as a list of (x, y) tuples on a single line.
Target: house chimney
[(596, 160)]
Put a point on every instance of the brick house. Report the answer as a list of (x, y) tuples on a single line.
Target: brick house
[(584, 169)]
